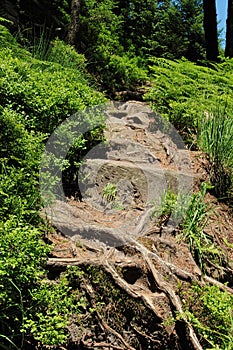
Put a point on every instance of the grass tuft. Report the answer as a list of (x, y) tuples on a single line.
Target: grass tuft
[(215, 137)]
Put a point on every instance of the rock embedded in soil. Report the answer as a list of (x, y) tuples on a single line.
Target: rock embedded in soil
[(141, 161), (118, 234)]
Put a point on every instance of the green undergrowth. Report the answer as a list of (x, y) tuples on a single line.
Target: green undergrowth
[(198, 101), (44, 93), (209, 310), (182, 91), (35, 97)]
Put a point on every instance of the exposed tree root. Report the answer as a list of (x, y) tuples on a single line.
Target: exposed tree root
[(149, 261), (103, 345), (217, 283), (175, 300), (148, 273)]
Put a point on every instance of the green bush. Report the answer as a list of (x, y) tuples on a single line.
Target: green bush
[(55, 304), (45, 93), (36, 96), (172, 208), (182, 91), (20, 158), (123, 73), (23, 255), (19, 146), (66, 55), (210, 312), (30, 304)]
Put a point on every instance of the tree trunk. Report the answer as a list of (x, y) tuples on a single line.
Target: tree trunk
[(210, 27), (229, 34), (74, 23)]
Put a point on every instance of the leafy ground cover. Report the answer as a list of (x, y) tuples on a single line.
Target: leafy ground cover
[(183, 91), (36, 96)]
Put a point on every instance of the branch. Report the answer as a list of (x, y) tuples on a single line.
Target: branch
[(217, 283), (166, 288)]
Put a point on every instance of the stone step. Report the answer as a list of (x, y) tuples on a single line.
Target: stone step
[(137, 183)]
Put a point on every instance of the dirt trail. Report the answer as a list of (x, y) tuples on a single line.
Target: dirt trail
[(139, 162), (113, 228)]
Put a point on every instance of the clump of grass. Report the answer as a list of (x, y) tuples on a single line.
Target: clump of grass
[(216, 139), (201, 244), (35, 39), (171, 209), (110, 192), (111, 196)]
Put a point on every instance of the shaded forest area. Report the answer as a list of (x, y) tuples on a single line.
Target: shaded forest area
[(172, 286), (119, 36)]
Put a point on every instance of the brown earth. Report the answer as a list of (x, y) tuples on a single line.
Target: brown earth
[(134, 263)]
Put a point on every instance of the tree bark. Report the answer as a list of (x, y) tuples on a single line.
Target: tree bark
[(74, 23), (210, 27), (229, 33)]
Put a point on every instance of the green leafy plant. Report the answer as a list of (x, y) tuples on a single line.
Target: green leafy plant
[(209, 310), (172, 207), (110, 195), (23, 255), (167, 205), (30, 304), (55, 304), (182, 91)]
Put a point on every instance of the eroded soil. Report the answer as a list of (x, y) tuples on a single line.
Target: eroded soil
[(132, 264)]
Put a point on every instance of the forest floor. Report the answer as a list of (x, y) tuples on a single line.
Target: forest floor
[(136, 263)]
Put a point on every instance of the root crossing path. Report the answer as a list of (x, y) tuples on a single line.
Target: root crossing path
[(132, 258)]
